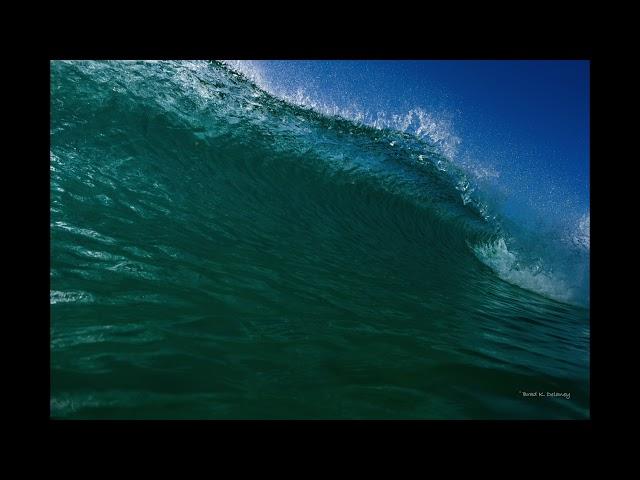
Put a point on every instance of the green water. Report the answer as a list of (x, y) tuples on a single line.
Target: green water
[(218, 253)]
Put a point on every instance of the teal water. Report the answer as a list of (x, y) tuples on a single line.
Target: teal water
[(219, 253)]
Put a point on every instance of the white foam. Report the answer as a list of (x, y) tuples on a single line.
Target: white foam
[(71, 296), (497, 256), (582, 233)]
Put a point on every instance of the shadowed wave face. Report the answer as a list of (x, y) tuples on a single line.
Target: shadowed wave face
[(217, 252)]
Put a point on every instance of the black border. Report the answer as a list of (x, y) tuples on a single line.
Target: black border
[(143, 47)]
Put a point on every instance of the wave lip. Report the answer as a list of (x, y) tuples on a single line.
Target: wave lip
[(417, 121)]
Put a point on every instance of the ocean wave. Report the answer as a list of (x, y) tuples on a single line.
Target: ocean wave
[(220, 252)]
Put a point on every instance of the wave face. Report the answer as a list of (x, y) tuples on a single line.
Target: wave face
[(217, 252)]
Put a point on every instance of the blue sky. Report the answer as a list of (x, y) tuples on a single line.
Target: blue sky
[(527, 120)]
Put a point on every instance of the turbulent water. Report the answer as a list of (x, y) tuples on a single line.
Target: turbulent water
[(218, 252)]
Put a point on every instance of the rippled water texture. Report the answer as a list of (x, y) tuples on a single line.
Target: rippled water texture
[(219, 253)]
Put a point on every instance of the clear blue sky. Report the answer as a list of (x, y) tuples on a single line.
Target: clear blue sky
[(528, 120)]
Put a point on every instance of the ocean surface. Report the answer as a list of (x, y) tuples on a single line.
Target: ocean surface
[(218, 252)]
